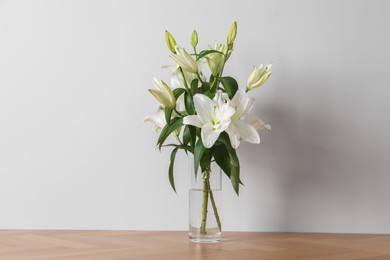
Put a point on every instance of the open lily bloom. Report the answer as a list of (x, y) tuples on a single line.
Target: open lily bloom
[(159, 121), (213, 117), (177, 80), (256, 122), (243, 125)]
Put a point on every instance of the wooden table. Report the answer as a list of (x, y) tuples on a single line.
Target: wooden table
[(96, 245)]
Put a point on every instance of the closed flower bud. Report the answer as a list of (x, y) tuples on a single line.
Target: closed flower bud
[(232, 34), (170, 42), (216, 60), (258, 76), (194, 39)]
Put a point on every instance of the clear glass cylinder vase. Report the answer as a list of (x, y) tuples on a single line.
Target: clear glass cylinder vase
[(205, 205)]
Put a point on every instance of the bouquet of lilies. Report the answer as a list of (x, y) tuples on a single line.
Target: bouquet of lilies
[(207, 114)]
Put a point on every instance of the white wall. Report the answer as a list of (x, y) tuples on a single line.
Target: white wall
[(74, 153)]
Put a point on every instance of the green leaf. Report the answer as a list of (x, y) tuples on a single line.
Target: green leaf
[(205, 161), (193, 136), (198, 153), (171, 166), (224, 138), (168, 129), (178, 91), (212, 78), (188, 104), (213, 83), (225, 160), (179, 146), (207, 52), (222, 158), (194, 86), (230, 85), (168, 114), (205, 87), (233, 162), (186, 135), (210, 94), (235, 178)]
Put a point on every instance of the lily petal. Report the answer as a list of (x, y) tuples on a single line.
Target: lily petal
[(256, 122), (249, 105), (220, 98), (233, 136), (203, 106), (192, 120), (157, 120), (156, 83), (209, 135), (184, 60), (247, 132)]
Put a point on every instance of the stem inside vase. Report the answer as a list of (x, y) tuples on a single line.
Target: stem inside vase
[(206, 193), (204, 204), (205, 201)]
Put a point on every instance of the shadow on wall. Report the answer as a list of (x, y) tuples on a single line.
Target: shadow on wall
[(313, 160)]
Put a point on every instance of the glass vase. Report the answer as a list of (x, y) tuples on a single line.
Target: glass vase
[(205, 205)]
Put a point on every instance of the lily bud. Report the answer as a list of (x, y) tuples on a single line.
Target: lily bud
[(170, 41), (258, 76), (216, 60), (184, 60), (163, 94), (232, 34), (194, 39)]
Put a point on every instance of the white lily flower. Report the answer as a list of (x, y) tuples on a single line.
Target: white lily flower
[(163, 93), (243, 125), (258, 76), (159, 121), (177, 80), (184, 60), (213, 117), (256, 122)]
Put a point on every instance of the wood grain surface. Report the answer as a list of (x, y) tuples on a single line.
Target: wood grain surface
[(96, 245)]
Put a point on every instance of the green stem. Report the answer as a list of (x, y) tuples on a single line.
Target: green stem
[(178, 139), (200, 78), (178, 112), (184, 79), (213, 85), (205, 199), (187, 88), (214, 206), (220, 74)]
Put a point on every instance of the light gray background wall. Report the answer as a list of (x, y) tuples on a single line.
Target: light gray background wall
[(74, 153)]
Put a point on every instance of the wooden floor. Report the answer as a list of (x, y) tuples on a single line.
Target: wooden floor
[(96, 245)]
